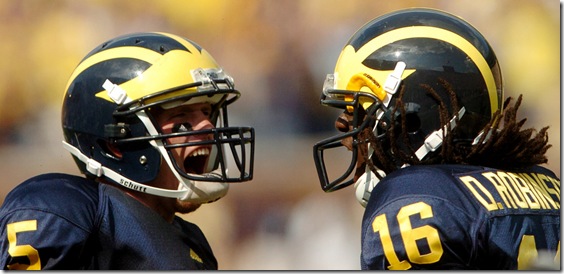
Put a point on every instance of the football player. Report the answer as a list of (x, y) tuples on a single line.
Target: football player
[(144, 116), (448, 176)]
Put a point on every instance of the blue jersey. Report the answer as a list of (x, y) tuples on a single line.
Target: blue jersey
[(58, 221), (461, 217)]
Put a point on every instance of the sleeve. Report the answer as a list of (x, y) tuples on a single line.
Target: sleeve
[(417, 232), (43, 228)]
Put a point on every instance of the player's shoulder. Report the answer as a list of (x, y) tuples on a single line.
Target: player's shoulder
[(52, 191), (188, 227), (425, 178), (443, 170), (56, 185), (543, 170), (421, 183)]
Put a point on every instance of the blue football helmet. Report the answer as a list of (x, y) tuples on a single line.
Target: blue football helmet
[(108, 102), (433, 62)]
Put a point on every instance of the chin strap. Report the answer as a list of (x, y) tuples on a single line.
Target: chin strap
[(364, 185), (435, 139), (200, 192), (99, 170)]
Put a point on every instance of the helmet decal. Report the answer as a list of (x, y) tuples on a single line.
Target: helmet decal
[(355, 58), (182, 61), (142, 54)]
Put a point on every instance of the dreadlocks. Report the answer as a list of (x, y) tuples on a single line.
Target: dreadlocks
[(503, 144), (510, 146)]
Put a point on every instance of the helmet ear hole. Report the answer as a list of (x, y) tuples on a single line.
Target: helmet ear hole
[(412, 122), (110, 150)]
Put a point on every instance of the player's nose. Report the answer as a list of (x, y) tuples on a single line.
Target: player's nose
[(342, 123)]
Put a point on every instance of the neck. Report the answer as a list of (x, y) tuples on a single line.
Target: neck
[(162, 205)]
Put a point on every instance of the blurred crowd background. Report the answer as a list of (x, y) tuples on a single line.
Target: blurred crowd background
[(278, 53)]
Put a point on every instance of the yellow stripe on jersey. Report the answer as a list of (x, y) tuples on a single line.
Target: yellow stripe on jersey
[(195, 256)]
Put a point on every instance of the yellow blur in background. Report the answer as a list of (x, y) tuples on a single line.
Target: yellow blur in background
[(278, 53)]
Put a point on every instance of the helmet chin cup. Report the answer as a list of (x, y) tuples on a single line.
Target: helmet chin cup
[(364, 185), (202, 192)]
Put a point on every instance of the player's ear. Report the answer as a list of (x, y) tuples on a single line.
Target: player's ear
[(111, 150)]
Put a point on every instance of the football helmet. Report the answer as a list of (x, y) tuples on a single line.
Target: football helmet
[(432, 62), (108, 103)]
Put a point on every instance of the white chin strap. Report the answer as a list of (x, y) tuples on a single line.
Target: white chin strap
[(435, 139), (201, 192), (364, 185)]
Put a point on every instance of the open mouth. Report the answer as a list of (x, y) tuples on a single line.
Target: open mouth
[(197, 161)]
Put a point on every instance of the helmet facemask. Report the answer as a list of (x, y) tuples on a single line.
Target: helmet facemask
[(227, 146), (381, 138), (353, 144)]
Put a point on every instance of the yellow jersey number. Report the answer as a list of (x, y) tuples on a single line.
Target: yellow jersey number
[(528, 253), (527, 248), (16, 250), (409, 236)]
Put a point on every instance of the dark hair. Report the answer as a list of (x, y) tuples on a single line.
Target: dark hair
[(510, 147), (507, 147)]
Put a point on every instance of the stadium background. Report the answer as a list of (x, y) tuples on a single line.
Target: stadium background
[(279, 53)]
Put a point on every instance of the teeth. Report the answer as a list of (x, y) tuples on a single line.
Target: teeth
[(200, 152)]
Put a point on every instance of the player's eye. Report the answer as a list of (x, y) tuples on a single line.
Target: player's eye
[(207, 112), (181, 127)]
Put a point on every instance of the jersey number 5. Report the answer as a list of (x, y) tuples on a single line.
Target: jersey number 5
[(16, 250), (410, 236)]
